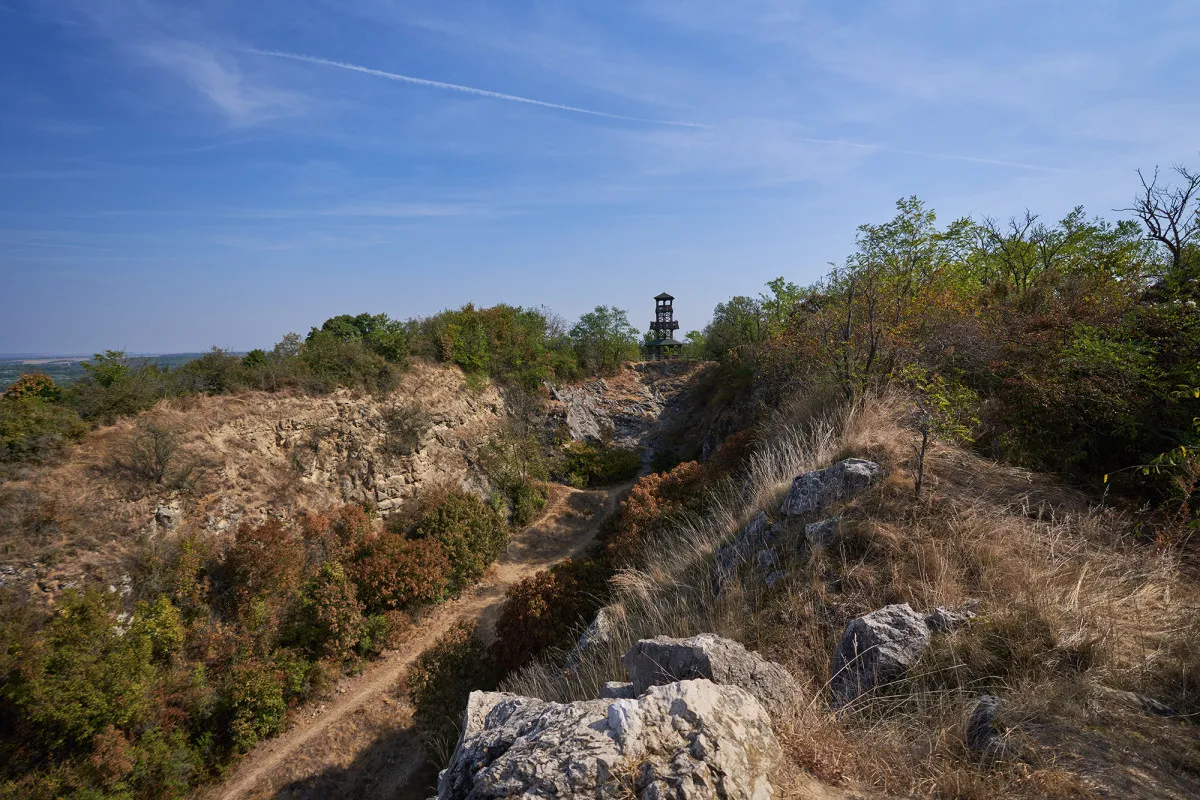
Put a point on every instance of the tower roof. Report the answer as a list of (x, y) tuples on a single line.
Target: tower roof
[(664, 296)]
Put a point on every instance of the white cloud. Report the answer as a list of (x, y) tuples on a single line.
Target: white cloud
[(218, 79)]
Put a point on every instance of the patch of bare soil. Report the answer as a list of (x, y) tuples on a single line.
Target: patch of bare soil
[(361, 742)]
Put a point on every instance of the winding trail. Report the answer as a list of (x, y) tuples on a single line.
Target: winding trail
[(361, 742)]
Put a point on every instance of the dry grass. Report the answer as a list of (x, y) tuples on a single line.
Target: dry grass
[(1070, 600)]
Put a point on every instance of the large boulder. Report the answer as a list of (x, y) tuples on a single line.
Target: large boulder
[(661, 660), (817, 490), (876, 648), (691, 739)]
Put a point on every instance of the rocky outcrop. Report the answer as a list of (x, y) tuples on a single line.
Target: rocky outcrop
[(626, 407), (657, 661), (880, 647), (691, 739), (815, 491), (876, 648)]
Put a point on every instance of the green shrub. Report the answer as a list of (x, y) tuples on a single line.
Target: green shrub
[(527, 500), (472, 534), (329, 362), (440, 682), (161, 624), (547, 610), (83, 675), (32, 427), (254, 704), (587, 465), (376, 633), (117, 386), (393, 572), (215, 372), (330, 617)]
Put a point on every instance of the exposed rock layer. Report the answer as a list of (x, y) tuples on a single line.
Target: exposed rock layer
[(690, 739)]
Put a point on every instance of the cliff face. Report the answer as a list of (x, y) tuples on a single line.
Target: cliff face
[(630, 407), (249, 456)]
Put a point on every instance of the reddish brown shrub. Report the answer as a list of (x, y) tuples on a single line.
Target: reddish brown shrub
[(392, 572), (546, 610), (651, 505), (33, 384), (338, 535), (265, 559)]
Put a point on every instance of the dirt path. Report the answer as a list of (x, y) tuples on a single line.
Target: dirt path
[(361, 742)]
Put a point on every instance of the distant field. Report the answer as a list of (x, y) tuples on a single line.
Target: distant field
[(66, 369)]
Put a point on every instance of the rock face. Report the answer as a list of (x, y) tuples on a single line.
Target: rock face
[(167, 515), (817, 490), (876, 648), (691, 739), (617, 690), (657, 661), (627, 405)]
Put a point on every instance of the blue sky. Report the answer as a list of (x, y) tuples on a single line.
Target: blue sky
[(180, 175)]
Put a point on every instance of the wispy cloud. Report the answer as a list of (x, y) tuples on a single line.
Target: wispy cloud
[(221, 82), (454, 87)]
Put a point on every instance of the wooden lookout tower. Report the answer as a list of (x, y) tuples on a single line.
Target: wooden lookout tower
[(663, 343)]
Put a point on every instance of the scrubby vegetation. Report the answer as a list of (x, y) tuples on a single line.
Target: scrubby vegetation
[(958, 357), (516, 347), (98, 702), (585, 464), (440, 682), (1078, 342)]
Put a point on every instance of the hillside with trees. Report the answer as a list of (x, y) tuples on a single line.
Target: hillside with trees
[(1009, 414)]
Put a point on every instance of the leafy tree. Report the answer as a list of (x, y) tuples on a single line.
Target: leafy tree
[(380, 334), (108, 368), (604, 340)]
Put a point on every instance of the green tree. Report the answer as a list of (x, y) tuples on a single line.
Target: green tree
[(604, 339)]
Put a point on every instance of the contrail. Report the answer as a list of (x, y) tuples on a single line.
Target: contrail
[(454, 87)]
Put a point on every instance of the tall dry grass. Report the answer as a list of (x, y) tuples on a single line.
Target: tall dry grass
[(1071, 603)]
